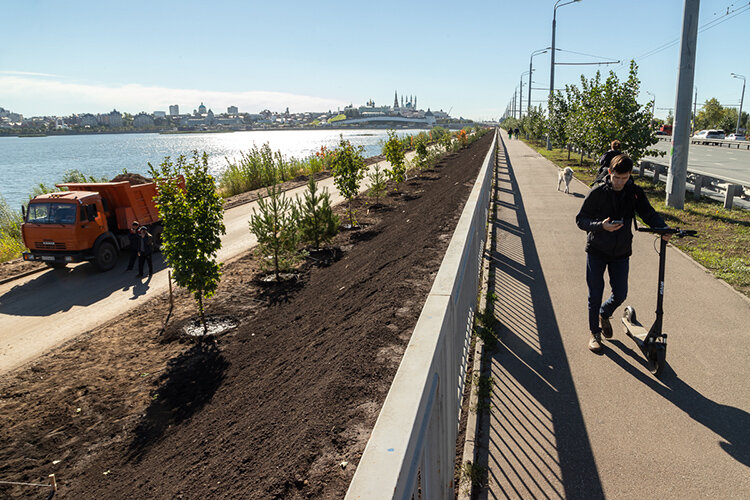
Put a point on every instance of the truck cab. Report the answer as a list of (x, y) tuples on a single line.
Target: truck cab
[(67, 227)]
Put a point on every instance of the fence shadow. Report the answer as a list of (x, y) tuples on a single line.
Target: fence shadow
[(533, 440)]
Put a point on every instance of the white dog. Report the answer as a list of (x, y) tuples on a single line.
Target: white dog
[(567, 176)]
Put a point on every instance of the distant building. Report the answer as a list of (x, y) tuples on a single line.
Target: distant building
[(89, 120), (159, 114), (202, 109), (232, 110), (115, 118), (174, 110), (143, 120)]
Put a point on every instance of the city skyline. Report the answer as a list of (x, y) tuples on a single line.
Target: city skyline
[(144, 56)]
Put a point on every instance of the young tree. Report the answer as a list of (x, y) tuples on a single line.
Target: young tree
[(348, 169), (393, 149), (377, 183), (193, 222), (275, 226), (422, 153), (558, 119), (317, 222)]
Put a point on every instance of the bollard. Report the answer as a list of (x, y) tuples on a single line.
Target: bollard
[(657, 171), (729, 196), (698, 185)]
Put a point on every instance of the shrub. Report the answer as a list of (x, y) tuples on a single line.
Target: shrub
[(393, 149), (275, 226), (317, 222), (348, 169), (377, 183)]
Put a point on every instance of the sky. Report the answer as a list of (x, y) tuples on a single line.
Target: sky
[(59, 58)]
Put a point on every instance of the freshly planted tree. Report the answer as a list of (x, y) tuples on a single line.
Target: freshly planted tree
[(193, 222), (274, 224), (348, 169), (317, 222), (422, 153), (393, 149), (377, 183)]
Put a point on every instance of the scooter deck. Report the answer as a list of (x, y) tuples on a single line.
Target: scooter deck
[(635, 330)]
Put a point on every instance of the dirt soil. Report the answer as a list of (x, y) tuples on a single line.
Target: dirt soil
[(279, 407)]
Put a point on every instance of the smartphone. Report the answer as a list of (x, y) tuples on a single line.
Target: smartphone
[(618, 221)]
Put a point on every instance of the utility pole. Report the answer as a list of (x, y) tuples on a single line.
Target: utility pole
[(742, 100), (552, 60), (681, 130), (695, 110)]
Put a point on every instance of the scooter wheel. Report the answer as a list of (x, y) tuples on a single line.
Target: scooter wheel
[(657, 359)]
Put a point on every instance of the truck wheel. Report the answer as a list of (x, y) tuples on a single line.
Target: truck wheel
[(106, 256)]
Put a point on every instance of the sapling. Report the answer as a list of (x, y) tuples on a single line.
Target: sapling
[(274, 224), (393, 149), (348, 169), (317, 222), (193, 222), (377, 183)]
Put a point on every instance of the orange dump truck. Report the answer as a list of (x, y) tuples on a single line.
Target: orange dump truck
[(90, 221)]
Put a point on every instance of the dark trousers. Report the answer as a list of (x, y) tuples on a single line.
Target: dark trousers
[(133, 256), (145, 258), (618, 281)]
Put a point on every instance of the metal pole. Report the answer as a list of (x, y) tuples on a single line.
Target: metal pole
[(681, 131), (742, 100), (695, 110), (552, 64), (551, 78), (520, 99), (531, 70)]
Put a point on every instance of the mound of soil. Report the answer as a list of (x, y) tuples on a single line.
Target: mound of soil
[(133, 179), (281, 406)]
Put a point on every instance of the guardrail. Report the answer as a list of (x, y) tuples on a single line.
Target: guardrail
[(698, 179), (711, 142), (413, 444)]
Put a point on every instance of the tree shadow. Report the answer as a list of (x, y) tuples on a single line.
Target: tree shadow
[(188, 384), (732, 424), (533, 440)]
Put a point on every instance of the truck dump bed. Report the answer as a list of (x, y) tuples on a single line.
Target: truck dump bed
[(129, 202)]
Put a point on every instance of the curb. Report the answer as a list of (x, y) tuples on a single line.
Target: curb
[(22, 275)]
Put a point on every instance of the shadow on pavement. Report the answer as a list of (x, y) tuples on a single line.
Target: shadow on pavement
[(83, 285), (533, 439), (732, 424)]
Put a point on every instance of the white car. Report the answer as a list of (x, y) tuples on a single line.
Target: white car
[(710, 134), (736, 137)]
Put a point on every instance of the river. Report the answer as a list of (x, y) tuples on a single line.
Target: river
[(27, 161)]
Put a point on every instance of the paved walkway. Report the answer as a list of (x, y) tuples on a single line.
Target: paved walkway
[(566, 423)]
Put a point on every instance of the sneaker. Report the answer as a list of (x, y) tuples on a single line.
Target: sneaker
[(595, 343), (606, 327)]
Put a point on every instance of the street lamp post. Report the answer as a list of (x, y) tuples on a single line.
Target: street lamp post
[(535, 53), (742, 99), (552, 59), (520, 101), (653, 108)]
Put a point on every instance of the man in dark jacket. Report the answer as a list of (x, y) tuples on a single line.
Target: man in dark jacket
[(607, 214), (133, 239), (614, 150), (145, 249)]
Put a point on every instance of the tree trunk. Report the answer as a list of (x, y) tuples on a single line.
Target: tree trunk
[(200, 309)]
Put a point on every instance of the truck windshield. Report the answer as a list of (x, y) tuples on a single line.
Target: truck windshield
[(52, 213)]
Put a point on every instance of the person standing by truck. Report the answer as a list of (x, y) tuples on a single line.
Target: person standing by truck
[(145, 249), (133, 238)]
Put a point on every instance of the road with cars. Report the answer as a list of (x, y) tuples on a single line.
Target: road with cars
[(729, 163)]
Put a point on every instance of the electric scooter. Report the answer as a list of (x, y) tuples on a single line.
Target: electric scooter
[(653, 343)]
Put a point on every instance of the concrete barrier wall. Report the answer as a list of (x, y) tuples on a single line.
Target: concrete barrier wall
[(413, 443)]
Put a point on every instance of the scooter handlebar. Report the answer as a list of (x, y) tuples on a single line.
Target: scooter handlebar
[(679, 233)]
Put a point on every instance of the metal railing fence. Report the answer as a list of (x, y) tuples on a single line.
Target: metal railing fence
[(413, 444)]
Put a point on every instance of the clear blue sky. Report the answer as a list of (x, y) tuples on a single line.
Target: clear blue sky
[(85, 56)]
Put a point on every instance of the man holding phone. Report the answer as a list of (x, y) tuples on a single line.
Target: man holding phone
[(607, 215)]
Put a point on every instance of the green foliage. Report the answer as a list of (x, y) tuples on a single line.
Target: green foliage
[(337, 118), (260, 167), (11, 243), (348, 169), (437, 133), (275, 226), (317, 222), (377, 183), (422, 153), (393, 149), (193, 222)]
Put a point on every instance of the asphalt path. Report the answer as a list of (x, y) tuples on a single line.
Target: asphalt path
[(42, 311), (567, 423), (722, 162)]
